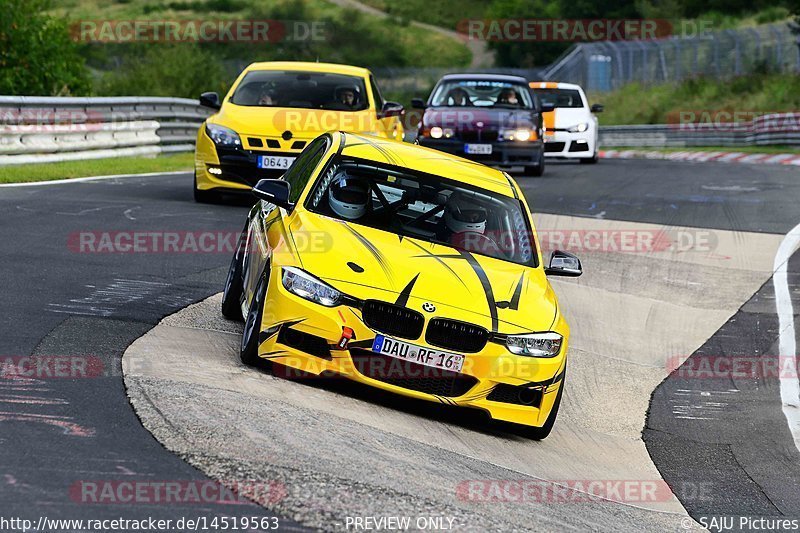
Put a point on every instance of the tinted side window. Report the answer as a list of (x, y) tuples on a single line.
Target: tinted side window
[(300, 171)]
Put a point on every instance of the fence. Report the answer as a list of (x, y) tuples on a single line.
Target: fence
[(50, 129), (604, 66)]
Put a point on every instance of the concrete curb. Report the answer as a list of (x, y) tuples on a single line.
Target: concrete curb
[(721, 157)]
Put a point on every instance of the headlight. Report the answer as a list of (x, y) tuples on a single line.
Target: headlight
[(307, 286), (578, 128), (223, 136), (436, 132), (535, 344), (521, 134), (448, 132)]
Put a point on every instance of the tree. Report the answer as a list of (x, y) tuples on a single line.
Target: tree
[(37, 55)]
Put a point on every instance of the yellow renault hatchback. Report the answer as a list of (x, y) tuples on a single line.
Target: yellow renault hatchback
[(273, 110)]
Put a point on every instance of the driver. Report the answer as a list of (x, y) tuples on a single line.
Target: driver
[(348, 196), (458, 97), (461, 216), (347, 96), (508, 96), (465, 227), (266, 99)]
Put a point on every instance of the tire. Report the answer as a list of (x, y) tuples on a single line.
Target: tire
[(204, 197), (541, 433), (591, 161), (232, 294), (538, 170), (248, 352)]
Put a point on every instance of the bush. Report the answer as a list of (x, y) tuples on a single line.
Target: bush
[(37, 55), (182, 70)]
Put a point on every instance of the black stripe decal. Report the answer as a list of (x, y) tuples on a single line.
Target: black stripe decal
[(439, 260), (517, 293), (374, 251), (487, 286), (265, 335), (402, 299)]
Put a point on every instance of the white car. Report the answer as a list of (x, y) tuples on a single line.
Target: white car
[(571, 128)]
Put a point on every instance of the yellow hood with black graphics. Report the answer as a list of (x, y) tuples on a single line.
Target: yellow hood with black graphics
[(368, 263)]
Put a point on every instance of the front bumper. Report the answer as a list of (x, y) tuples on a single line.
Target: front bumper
[(237, 167), (563, 144), (508, 153), (303, 337)]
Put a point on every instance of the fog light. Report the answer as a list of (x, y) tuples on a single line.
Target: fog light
[(214, 170)]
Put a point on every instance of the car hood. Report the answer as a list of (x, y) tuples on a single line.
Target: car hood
[(473, 118), (566, 117), (303, 123), (498, 295)]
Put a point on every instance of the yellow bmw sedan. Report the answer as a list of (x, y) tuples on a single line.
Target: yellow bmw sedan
[(273, 110), (406, 269)]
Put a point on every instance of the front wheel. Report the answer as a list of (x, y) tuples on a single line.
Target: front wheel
[(538, 170), (252, 326), (591, 161), (204, 197), (232, 295)]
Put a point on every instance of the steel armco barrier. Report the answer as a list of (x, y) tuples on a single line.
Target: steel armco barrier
[(51, 129)]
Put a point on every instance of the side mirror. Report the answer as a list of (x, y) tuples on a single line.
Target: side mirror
[(563, 264), (597, 108), (211, 100), (548, 107), (391, 109), (418, 103), (274, 191)]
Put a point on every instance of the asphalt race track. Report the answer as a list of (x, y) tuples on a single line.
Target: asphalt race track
[(329, 451)]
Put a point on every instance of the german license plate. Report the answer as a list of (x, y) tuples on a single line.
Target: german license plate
[(478, 149), (275, 162), (418, 354)]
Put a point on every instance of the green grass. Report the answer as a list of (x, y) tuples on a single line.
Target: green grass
[(349, 35), (95, 167), (444, 13), (635, 104), (743, 149)]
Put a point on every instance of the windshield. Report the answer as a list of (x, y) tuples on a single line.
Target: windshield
[(308, 90), (560, 97), (426, 207), (482, 93)]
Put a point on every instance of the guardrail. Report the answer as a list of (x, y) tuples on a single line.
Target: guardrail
[(772, 129), (51, 129)]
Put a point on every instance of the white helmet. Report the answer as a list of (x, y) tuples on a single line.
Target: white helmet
[(348, 196), (461, 215)]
